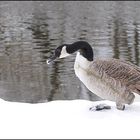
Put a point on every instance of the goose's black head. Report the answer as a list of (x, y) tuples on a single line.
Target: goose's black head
[(67, 49), (60, 52)]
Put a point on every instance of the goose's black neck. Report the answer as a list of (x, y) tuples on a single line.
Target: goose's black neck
[(84, 48)]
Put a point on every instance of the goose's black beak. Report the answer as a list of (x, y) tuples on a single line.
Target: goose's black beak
[(51, 59)]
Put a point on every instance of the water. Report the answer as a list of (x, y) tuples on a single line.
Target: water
[(31, 30)]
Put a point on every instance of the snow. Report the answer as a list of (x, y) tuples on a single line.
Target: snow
[(67, 119)]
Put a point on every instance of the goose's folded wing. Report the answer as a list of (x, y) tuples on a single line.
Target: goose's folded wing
[(126, 73)]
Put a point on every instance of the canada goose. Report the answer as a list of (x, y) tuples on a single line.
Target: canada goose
[(111, 79)]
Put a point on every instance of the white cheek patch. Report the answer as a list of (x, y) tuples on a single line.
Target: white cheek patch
[(64, 53)]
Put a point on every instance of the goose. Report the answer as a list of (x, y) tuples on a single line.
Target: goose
[(109, 78)]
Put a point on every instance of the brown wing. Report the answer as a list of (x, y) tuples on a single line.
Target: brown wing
[(125, 72)]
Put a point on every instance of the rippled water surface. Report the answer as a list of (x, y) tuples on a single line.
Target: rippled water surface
[(31, 30)]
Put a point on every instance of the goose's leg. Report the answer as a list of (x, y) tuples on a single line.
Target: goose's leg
[(99, 107), (120, 106), (129, 98)]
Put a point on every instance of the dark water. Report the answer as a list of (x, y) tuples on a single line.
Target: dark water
[(30, 31)]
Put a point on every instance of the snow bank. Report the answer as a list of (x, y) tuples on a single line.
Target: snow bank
[(68, 119)]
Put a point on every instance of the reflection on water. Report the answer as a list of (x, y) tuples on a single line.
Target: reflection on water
[(30, 31)]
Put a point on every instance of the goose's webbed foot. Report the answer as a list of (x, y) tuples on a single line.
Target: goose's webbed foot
[(99, 107)]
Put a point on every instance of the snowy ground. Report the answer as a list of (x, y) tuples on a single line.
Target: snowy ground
[(68, 119)]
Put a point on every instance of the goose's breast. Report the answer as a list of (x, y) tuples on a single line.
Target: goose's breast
[(95, 84)]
